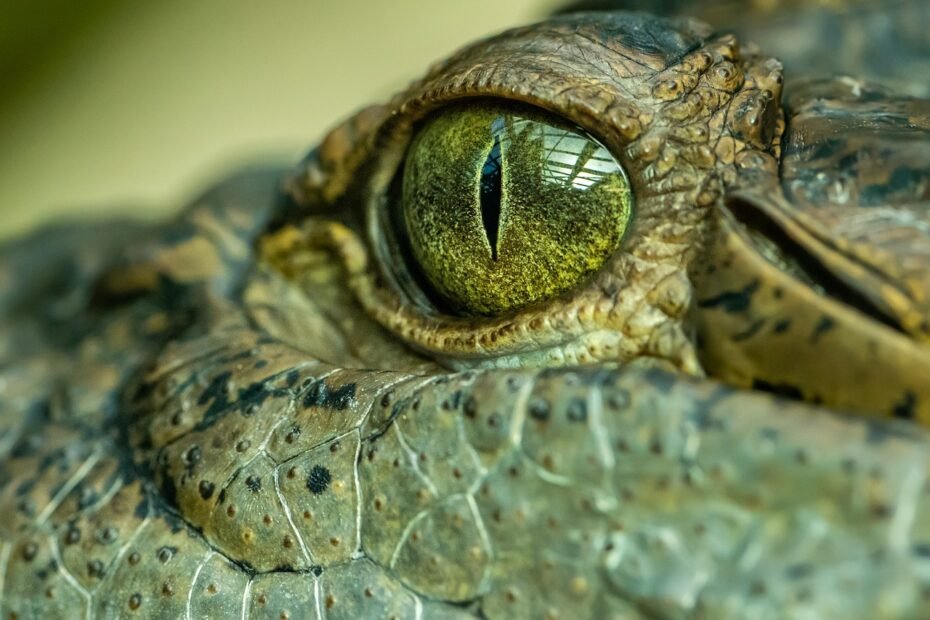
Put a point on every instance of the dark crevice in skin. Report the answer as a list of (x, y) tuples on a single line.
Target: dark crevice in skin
[(823, 326), (904, 409), (396, 410), (793, 258), (732, 301), (750, 331), (785, 390), (472, 606), (154, 504), (159, 502), (159, 508)]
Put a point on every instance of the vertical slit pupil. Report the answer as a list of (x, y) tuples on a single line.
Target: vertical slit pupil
[(491, 195)]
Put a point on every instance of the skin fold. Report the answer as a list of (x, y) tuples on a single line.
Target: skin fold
[(256, 410)]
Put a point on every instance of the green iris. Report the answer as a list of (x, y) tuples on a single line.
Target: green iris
[(505, 206)]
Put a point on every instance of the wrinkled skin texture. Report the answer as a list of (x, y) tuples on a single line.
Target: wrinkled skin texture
[(245, 412)]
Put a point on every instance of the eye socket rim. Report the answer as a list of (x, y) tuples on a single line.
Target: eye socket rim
[(392, 245)]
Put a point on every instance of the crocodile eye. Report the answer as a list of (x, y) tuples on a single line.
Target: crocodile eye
[(504, 206)]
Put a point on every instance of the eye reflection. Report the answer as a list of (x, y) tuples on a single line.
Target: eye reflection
[(569, 159), (506, 205)]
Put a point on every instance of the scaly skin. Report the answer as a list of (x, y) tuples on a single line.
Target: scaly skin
[(242, 414)]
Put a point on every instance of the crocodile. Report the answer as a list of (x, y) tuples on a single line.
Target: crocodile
[(600, 318)]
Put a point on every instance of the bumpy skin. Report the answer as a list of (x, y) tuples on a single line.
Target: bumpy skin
[(884, 40), (244, 414)]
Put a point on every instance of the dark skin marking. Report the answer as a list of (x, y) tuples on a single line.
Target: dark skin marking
[(453, 401), (26, 508), (662, 380), (291, 378), (46, 572), (95, 569), (143, 391), (248, 399), (782, 326), (27, 447), (539, 410), (788, 391), (903, 181), (750, 331), (395, 411), (106, 536), (799, 571), (254, 394), (206, 489), (179, 233), (321, 395), (921, 549), (216, 391), (25, 487), (619, 400), (87, 496), (732, 302), (904, 409), (824, 325), (73, 536), (878, 432), (56, 457), (825, 149), (770, 433), (191, 457), (470, 407), (254, 483), (292, 434), (318, 479), (168, 488), (166, 553), (236, 357), (577, 410), (142, 508)]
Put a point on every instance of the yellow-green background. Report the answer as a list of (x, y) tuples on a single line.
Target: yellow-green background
[(128, 107)]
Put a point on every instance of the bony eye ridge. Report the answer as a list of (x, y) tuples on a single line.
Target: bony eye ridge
[(504, 205)]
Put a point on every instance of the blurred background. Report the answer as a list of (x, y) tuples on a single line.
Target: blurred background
[(123, 107)]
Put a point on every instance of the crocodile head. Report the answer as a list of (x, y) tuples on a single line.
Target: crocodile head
[(411, 386)]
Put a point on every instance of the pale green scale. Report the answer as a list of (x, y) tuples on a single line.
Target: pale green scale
[(506, 205)]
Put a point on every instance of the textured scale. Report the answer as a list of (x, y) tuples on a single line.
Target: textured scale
[(612, 493), (223, 416)]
